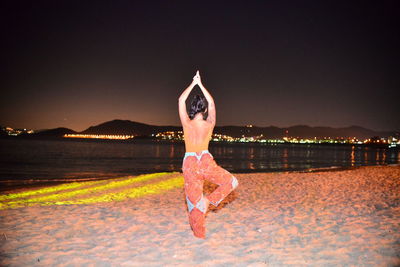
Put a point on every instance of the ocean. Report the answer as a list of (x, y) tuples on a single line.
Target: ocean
[(25, 161)]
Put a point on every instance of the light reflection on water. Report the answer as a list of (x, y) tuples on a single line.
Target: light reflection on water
[(301, 157), (67, 159), (352, 156)]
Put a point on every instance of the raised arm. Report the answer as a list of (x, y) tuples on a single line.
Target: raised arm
[(182, 103), (211, 105)]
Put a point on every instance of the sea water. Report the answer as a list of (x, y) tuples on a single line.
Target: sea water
[(28, 161)]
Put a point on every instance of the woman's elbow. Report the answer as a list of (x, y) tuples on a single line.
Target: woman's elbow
[(182, 98)]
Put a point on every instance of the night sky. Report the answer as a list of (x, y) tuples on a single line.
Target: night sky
[(79, 63)]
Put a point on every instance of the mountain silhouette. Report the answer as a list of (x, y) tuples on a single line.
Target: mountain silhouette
[(302, 131), (127, 127), (57, 132)]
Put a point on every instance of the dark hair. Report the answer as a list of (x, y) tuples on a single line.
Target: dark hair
[(198, 105)]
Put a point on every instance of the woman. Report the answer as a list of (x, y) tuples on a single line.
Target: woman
[(198, 163)]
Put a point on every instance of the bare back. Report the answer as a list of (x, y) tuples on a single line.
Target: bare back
[(197, 134), (197, 131)]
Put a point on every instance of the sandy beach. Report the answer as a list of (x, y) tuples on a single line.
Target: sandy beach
[(336, 218)]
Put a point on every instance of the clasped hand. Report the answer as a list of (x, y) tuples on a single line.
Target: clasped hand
[(197, 78)]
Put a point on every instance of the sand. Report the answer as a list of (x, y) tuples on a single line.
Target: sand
[(338, 218)]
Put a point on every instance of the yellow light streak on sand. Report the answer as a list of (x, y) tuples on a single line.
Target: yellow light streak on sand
[(110, 185), (130, 193), (46, 190), (52, 199)]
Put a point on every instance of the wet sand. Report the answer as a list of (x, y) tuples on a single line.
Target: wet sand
[(338, 218)]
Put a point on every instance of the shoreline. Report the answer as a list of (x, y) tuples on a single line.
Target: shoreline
[(335, 218), (12, 185), (167, 141)]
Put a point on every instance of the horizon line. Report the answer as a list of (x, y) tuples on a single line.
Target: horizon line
[(246, 125)]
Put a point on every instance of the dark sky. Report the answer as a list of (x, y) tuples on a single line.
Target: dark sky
[(80, 63)]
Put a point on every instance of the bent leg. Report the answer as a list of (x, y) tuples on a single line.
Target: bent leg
[(218, 175)]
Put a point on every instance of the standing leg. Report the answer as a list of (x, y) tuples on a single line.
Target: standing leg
[(218, 175), (197, 204)]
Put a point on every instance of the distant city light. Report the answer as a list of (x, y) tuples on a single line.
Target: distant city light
[(99, 136), (216, 137), (170, 135), (390, 142), (15, 132)]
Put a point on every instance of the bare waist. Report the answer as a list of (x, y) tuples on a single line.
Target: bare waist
[(198, 155)]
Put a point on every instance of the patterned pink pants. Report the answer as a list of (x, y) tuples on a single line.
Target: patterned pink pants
[(196, 168)]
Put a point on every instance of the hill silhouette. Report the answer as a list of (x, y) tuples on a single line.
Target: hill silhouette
[(302, 131), (56, 132), (127, 127)]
